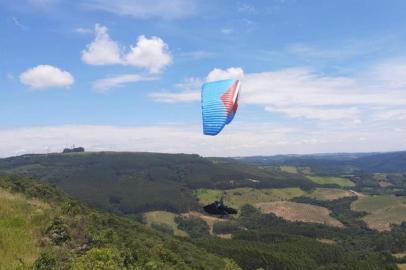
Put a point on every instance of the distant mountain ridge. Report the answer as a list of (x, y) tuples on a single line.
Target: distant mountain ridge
[(388, 162)]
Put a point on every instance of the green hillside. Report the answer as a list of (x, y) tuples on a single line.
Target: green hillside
[(130, 183), (52, 231), (41, 228)]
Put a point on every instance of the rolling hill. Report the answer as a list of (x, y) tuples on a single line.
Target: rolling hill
[(166, 192), (131, 183)]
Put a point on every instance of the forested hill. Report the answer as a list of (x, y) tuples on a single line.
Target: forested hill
[(391, 162), (42, 228), (131, 183)]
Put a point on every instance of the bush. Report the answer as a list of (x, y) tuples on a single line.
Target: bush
[(100, 259), (165, 228), (225, 227), (58, 232), (194, 226), (45, 261)]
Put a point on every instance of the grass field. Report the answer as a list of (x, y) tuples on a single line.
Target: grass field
[(163, 217), (326, 180), (399, 255), (382, 210), (329, 194), (240, 196), (289, 169), (210, 220), (20, 222), (299, 212), (402, 266)]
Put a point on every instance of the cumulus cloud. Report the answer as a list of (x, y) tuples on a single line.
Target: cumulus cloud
[(145, 9), (190, 88), (305, 93), (46, 76), (224, 74), (151, 54), (105, 84), (102, 50)]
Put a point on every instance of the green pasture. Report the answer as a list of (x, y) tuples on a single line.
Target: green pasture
[(382, 210), (240, 196), (163, 217), (328, 180)]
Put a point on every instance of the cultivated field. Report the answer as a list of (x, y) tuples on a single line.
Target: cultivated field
[(382, 210), (299, 212), (240, 196), (163, 217), (289, 169), (329, 194), (326, 180)]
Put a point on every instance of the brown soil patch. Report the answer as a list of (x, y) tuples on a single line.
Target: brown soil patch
[(300, 212)]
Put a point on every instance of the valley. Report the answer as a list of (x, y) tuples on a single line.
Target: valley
[(291, 212)]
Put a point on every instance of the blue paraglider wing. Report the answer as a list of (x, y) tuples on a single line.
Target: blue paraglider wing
[(219, 105)]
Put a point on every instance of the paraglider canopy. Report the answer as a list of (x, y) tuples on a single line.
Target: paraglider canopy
[(218, 208), (219, 105)]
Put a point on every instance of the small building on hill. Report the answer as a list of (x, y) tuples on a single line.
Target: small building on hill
[(74, 150)]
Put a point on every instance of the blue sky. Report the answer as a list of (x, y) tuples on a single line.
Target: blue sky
[(317, 76)]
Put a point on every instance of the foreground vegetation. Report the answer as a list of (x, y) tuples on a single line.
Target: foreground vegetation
[(41, 228)]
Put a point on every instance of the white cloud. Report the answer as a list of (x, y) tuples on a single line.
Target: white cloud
[(82, 30), (18, 23), (191, 86), (390, 115), (103, 50), (224, 74), (149, 53), (197, 55), (316, 112), (175, 97), (190, 92), (306, 88), (246, 8), (145, 9), (42, 3), (227, 30), (304, 93), (105, 84), (46, 76)]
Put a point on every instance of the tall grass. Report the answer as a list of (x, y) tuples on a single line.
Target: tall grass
[(20, 222)]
